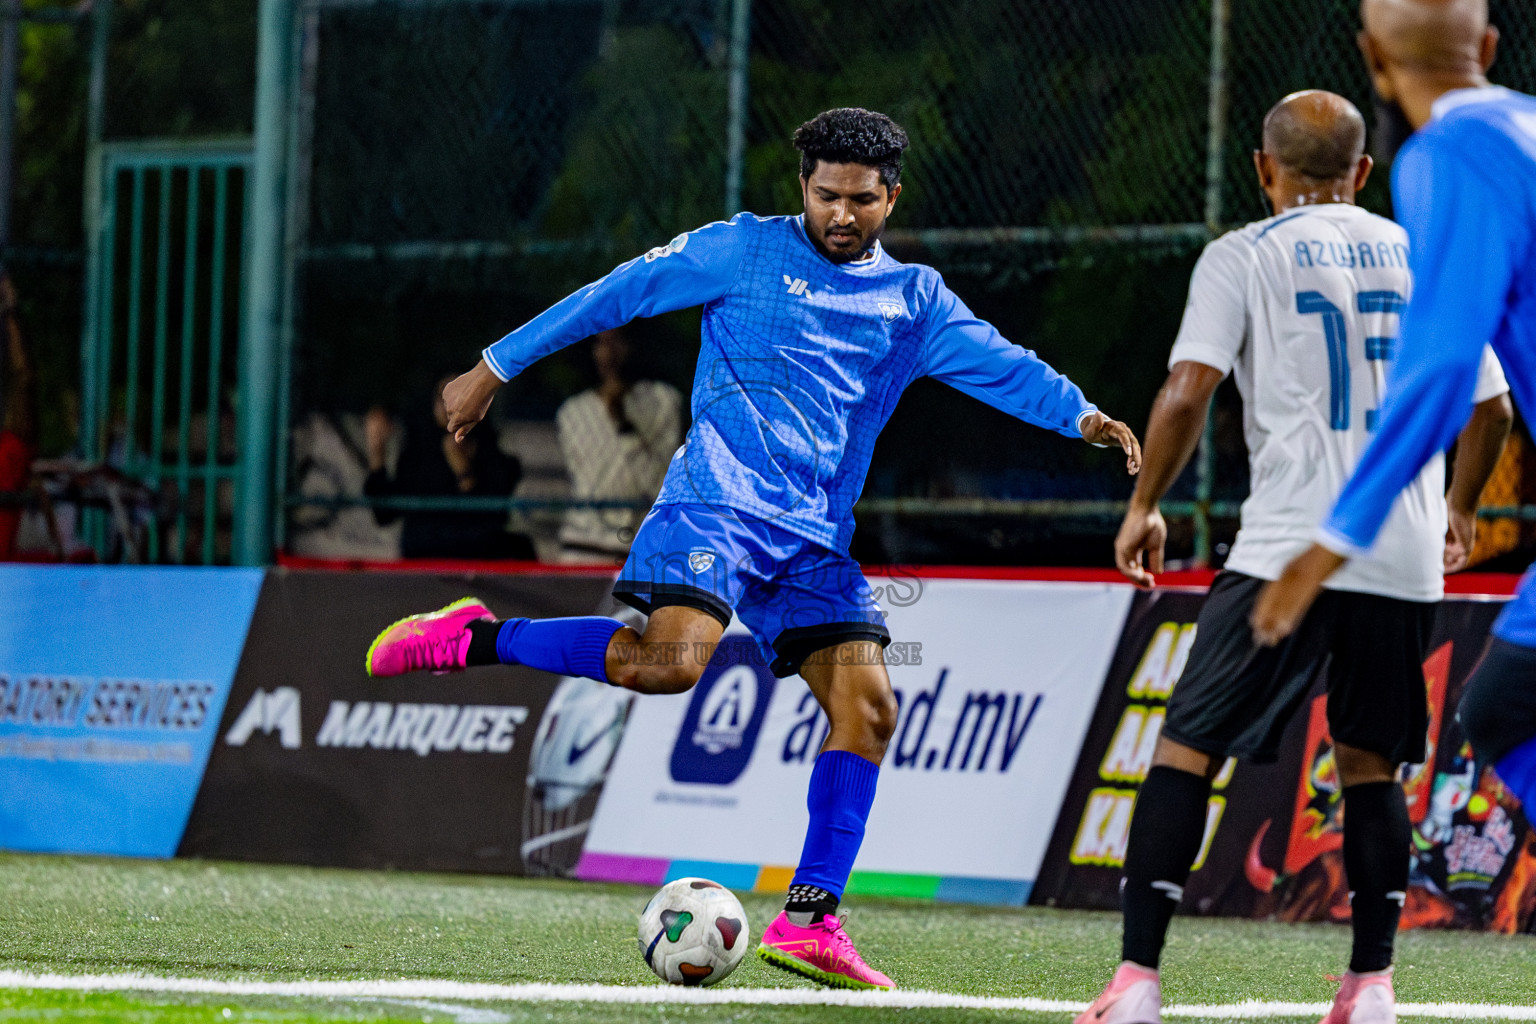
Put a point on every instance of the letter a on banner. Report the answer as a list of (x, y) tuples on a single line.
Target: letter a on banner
[(1163, 663), (1105, 828)]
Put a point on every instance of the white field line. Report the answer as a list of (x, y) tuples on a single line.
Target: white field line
[(427, 988)]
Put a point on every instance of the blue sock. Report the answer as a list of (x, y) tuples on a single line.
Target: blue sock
[(842, 790), (1517, 769), (567, 647)]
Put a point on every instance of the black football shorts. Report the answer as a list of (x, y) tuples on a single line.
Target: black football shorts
[(1235, 698)]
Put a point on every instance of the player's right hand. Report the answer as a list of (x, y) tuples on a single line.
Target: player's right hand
[(1143, 531), (1460, 538), (1102, 432), (467, 398), (1282, 605)]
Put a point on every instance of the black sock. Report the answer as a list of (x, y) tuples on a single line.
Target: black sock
[(1166, 832), (1376, 839), (810, 899), (482, 642)]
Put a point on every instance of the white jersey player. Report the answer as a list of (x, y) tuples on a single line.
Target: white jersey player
[(1301, 309)]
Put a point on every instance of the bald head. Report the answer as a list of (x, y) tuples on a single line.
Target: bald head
[(1433, 36), (1316, 135)]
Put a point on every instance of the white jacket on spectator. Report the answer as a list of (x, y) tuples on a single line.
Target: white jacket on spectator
[(610, 461)]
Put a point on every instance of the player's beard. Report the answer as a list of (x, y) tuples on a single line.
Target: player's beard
[(861, 252), (1392, 129)]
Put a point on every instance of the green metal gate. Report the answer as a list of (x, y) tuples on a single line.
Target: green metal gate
[(159, 369)]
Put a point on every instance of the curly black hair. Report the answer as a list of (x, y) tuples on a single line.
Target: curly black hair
[(852, 135)]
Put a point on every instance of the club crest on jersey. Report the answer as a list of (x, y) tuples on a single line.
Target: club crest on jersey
[(698, 561), (892, 310), (677, 244)]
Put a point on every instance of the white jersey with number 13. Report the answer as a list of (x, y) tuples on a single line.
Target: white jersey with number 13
[(1302, 309)]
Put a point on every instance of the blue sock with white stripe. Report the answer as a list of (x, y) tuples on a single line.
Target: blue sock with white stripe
[(576, 646), (841, 793)]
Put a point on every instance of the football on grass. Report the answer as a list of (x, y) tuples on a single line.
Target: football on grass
[(693, 932)]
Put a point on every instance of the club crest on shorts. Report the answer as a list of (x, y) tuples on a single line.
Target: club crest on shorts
[(698, 561)]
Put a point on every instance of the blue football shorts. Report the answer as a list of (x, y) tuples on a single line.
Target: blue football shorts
[(795, 596)]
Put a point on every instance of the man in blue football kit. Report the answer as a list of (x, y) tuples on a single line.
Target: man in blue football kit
[(1464, 187), (811, 332)]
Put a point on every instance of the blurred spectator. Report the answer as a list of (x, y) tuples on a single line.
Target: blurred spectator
[(617, 439), (18, 432), (433, 464), (330, 460)]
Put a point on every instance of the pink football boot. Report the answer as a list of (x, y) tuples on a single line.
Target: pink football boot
[(1364, 999), (435, 641), (1134, 996), (821, 952)]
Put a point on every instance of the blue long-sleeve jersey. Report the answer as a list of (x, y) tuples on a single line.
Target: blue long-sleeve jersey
[(1464, 187), (801, 364)]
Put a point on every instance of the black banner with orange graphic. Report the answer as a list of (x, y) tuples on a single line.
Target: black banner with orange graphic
[(1273, 842)]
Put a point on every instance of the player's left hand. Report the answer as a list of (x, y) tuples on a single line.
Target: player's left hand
[(1100, 430), (1460, 539), (467, 398), (1284, 603)]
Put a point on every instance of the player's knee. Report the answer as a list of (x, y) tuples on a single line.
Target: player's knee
[(1170, 753), (653, 672), (881, 711), (671, 678), (1357, 766)]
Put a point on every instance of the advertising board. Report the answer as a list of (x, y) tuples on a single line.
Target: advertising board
[(112, 684), (316, 763), (1274, 833), (996, 681)]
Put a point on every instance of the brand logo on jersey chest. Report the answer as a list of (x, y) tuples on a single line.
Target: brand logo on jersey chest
[(796, 285)]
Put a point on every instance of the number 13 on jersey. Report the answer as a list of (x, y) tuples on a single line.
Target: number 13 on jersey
[(1336, 335)]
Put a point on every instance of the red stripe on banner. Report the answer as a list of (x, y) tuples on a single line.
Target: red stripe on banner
[(1483, 584)]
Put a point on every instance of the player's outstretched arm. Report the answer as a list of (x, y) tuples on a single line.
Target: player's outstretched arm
[(693, 269), (1477, 453), (1173, 432), (969, 355)]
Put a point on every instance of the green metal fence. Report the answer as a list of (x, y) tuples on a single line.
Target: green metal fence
[(160, 382), (437, 165)]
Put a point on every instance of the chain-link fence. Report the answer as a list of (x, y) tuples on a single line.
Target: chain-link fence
[(460, 164)]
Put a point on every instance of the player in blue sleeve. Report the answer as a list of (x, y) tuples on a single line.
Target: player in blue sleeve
[(1464, 187), (810, 333)]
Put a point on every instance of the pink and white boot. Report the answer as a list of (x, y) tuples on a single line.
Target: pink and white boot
[(1133, 996), (1364, 999), (821, 952), (435, 641)]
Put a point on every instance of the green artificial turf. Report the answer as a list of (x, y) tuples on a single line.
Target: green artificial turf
[(67, 915)]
